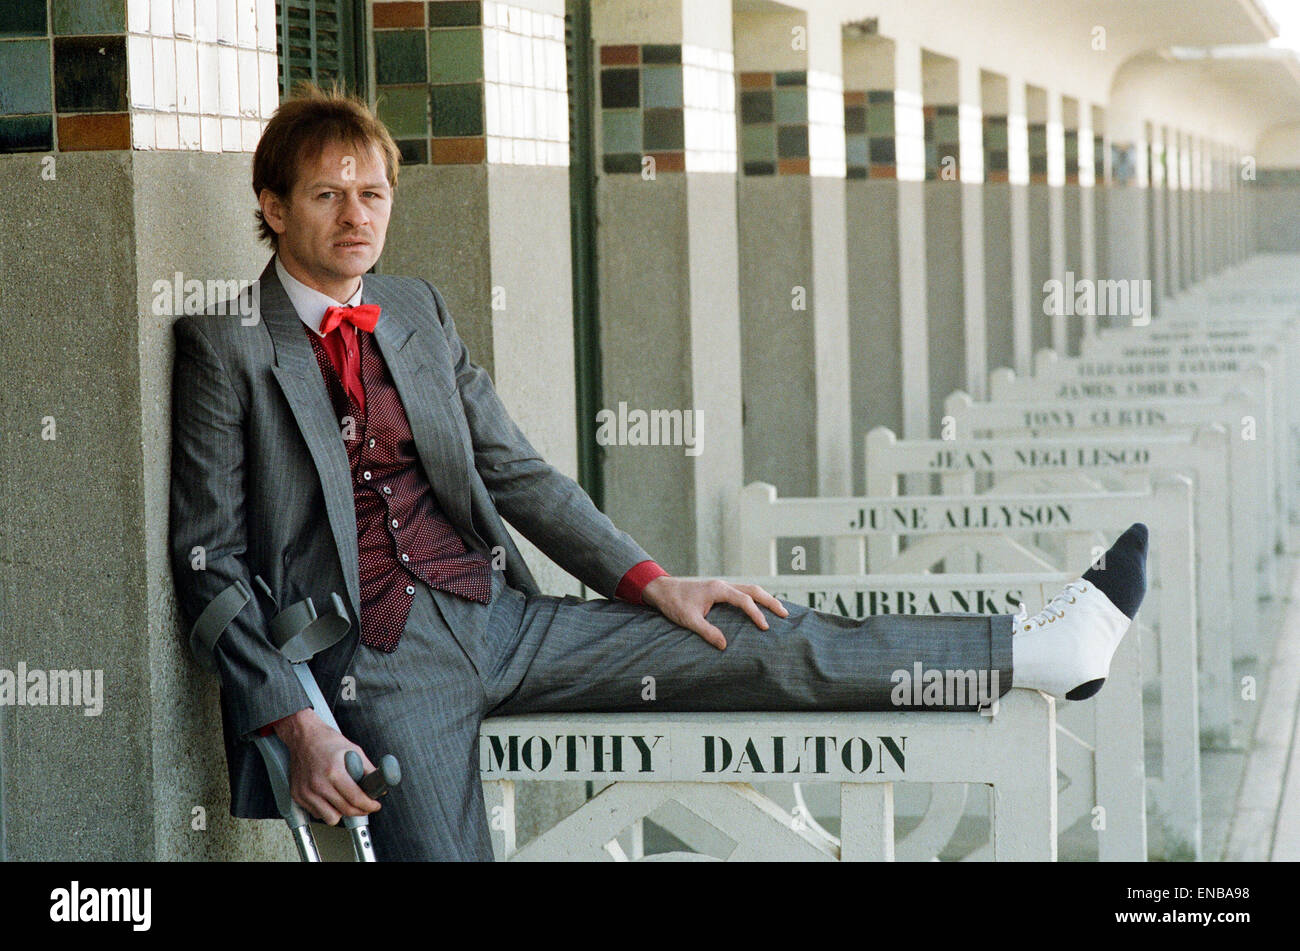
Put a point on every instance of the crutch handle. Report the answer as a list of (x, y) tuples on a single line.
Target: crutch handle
[(375, 784)]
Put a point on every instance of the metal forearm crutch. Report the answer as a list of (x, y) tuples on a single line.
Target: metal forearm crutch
[(300, 634)]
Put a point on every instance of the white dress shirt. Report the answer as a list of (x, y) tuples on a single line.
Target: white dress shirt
[(310, 303)]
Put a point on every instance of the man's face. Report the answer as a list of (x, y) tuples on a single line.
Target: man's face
[(331, 228)]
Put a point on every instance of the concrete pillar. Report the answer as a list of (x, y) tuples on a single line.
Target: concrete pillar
[(1158, 255), (1127, 212), (909, 144), (1087, 206), (999, 296), (1196, 220), (1186, 214), (974, 292), (875, 323), (1171, 223), (107, 241), (1023, 298), (793, 270), (1055, 134), (667, 246), (947, 276)]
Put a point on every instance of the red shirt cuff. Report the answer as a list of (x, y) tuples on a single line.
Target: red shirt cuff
[(634, 582)]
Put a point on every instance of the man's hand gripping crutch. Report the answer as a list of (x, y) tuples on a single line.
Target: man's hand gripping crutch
[(301, 757)]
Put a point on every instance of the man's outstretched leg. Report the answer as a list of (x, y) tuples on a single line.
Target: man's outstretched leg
[(565, 654)]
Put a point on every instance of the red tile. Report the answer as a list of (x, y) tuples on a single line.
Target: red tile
[(388, 15), (620, 55), (669, 161), (99, 132), (470, 150), (756, 80), (792, 166)]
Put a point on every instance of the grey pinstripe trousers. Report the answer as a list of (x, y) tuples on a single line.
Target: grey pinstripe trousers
[(425, 701)]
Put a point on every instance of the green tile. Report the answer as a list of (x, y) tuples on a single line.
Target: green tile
[(621, 130), (855, 150), (22, 18), (405, 110), (661, 86), (792, 141), (26, 133), (89, 74), (454, 13), (457, 109), (623, 164), (796, 77), (661, 53), (880, 120), (790, 105), (25, 66), (758, 142), (75, 17), (455, 56), (945, 127), (663, 130), (414, 151), (399, 57)]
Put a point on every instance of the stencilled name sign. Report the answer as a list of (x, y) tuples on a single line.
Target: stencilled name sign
[(1007, 458), (940, 516), (869, 600), (712, 752)]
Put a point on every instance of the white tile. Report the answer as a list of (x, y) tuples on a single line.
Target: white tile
[(167, 131), (527, 59), (160, 18), (187, 77), (183, 16), (250, 93), (269, 83), (490, 63), (205, 20), (137, 17), (519, 112), (227, 30), (557, 154), (266, 25), (529, 150), (491, 108), (493, 148), (230, 136), (190, 137), (139, 63), (507, 126), (228, 81), (209, 84), (164, 74), (490, 12), (247, 23), (142, 136), (504, 67), (514, 19), (559, 106), (250, 132), (210, 133), (525, 21)]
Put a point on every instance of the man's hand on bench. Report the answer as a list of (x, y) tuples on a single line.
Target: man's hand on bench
[(686, 601), (318, 779)]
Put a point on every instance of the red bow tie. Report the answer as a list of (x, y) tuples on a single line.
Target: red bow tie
[(363, 317)]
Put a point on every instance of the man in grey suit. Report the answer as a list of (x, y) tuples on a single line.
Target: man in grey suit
[(344, 442)]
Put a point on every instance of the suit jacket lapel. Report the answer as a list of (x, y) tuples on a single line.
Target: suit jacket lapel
[(299, 377), (405, 346)]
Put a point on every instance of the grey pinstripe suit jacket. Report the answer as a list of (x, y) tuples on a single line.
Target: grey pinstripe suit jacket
[(261, 483)]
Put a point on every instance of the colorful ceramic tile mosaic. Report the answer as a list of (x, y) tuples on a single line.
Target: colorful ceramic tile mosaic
[(466, 82), (869, 134), (942, 143), (665, 106), (996, 149)]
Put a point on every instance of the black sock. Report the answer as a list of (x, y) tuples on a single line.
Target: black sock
[(1123, 579)]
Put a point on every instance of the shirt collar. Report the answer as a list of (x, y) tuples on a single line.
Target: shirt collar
[(310, 303)]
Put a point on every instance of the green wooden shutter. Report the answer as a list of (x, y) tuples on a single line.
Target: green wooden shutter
[(582, 223), (321, 41)]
